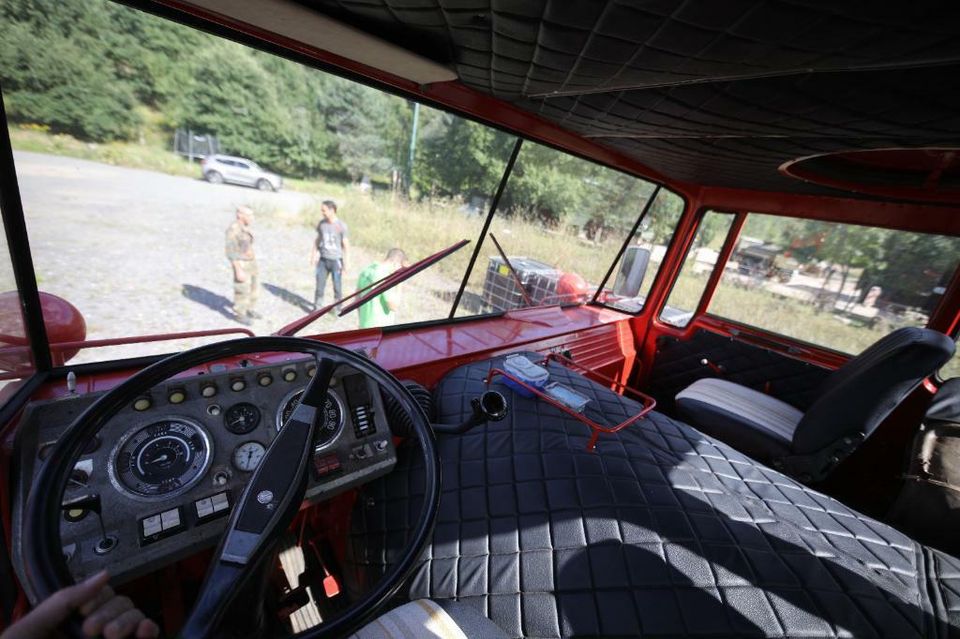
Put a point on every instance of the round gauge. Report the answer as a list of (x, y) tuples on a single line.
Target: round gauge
[(332, 422), (160, 459), (247, 456), (241, 418)]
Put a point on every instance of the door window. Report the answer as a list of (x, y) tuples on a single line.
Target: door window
[(842, 286)]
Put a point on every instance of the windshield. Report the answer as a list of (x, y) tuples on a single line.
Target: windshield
[(175, 182), (558, 226)]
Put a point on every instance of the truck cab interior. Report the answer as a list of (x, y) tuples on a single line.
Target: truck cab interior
[(671, 351)]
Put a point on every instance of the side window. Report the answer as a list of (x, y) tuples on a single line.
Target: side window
[(841, 286), (631, 280), (697, 266)]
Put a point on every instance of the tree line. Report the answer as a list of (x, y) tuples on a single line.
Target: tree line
[(93, 69)]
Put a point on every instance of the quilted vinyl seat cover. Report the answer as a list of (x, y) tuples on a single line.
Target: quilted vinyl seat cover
[(662, 531)]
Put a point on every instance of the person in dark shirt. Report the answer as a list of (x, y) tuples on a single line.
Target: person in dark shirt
[(329, 253)]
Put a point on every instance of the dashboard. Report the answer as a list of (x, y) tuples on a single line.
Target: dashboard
[(159, 480)]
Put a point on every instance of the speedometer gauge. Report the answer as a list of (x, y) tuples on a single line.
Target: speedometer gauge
[(332, 418), (161, 459)]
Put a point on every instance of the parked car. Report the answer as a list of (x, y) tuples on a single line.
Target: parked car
[(218, 169)]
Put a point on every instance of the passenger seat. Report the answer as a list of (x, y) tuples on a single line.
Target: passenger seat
[(852, 402)]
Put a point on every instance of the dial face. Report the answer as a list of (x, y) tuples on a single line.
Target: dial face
[(241, 418), (161, 458), (247, 457), (332, 423)]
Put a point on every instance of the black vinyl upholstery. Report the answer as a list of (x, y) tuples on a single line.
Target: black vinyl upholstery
[(850, 403), (676, 365), (662, 532), (860, 394)]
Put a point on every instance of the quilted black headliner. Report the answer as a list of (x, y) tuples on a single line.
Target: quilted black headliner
[(715, 92)]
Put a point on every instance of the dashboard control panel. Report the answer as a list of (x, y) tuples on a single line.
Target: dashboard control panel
[(165, 472)]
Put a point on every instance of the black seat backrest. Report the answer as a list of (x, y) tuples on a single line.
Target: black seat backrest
[(860, 394)]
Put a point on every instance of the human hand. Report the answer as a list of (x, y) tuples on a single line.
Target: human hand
[(106, 613), (239, 277)]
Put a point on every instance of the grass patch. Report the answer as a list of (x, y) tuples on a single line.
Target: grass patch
[(150, 153)]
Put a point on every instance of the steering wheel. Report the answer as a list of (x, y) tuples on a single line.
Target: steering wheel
[(269, 501)]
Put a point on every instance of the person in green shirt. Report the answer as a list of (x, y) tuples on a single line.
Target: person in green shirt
[(380, 310)]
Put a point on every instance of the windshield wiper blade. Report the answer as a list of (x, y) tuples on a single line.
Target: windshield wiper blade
[(386, 282), (513, 271), (402, 275)]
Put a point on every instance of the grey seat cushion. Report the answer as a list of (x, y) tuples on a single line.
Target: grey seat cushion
[(663, 531), (426, 619), (752, 422)]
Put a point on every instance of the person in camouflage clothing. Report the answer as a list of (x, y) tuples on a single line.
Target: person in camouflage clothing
[(243, 262)]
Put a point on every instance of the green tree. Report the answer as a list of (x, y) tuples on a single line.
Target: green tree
[(232, 97), (457, 157), (51, 72), (370, 128)]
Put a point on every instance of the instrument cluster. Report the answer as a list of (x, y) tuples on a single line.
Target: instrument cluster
[(163, 474)]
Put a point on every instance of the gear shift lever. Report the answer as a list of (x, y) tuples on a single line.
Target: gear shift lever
[(91, 502)]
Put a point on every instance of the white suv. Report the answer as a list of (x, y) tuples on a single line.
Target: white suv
[(218, 169)]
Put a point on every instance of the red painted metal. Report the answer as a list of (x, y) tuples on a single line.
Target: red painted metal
[(61, 319), (59, 349), (648, 402), (904, 216), (729, 245)]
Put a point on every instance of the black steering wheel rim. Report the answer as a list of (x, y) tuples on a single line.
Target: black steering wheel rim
[(44, 564)]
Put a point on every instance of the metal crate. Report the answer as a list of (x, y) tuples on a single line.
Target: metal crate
[(500, 290)]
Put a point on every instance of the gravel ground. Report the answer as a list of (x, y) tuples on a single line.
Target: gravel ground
[(139, 252)]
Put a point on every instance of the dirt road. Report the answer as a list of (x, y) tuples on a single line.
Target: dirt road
[(140, 252)]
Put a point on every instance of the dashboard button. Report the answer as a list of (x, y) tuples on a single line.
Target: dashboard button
[(177, 396), (220, 502), (204, 508), (212, 507), (151, 525), (156, 527), (237, 385), (142, 404), (208, 390), (325, 465)]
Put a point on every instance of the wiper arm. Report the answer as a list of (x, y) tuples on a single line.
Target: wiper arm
[(372, 290), (513, 271), (402, 275)]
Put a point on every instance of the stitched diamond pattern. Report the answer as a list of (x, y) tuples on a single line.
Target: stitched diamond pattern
[(677, 365), (662, 532)]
